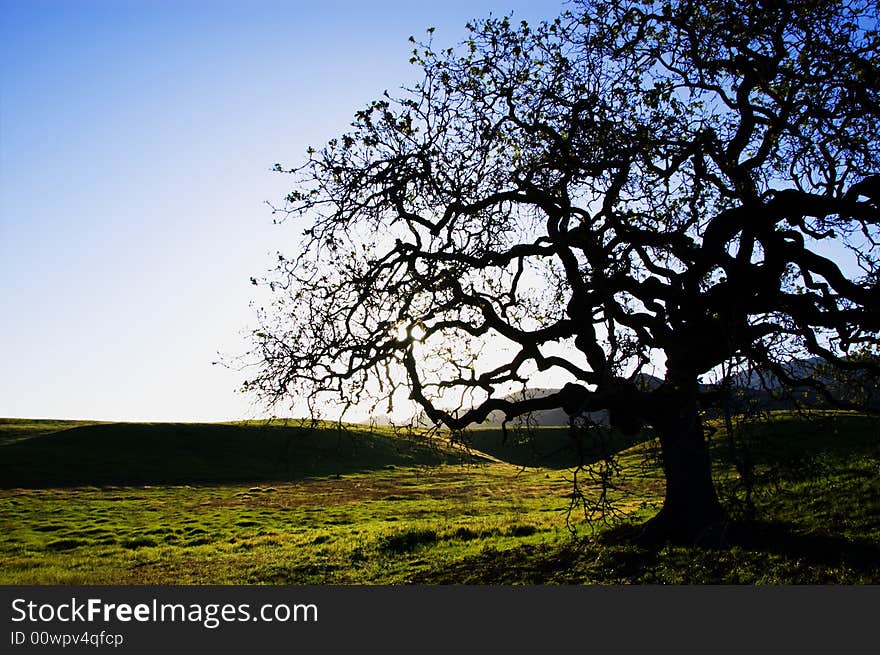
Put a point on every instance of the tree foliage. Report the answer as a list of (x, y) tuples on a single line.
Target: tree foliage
[(635, 187)]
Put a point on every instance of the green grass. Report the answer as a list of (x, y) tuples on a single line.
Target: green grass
[(818, 520), (18, 429), (381, 526), (64, 454), (264, 504)]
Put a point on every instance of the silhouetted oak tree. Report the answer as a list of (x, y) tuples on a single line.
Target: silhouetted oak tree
[(667, 186)]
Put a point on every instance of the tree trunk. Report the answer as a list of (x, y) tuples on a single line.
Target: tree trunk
[(691, 510)]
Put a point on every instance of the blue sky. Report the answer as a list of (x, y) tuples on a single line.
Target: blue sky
[(136, 140)]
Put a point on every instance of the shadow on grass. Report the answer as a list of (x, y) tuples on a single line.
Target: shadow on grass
[(547, 446), (823, 549), (188, 453), (760, 553)]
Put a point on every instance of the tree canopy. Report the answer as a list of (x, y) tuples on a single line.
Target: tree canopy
[(666, 187)]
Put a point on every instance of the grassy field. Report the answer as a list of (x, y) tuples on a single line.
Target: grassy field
[(260, 503)]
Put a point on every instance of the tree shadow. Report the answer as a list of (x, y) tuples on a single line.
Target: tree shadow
[(815, 548), (550, 447), (766, 537)]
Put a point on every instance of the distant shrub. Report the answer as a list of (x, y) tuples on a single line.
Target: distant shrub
[(138, 542), (402, 542), (521, 530), (66, 544), (465, 534)]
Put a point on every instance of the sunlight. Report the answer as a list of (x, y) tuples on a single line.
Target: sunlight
[(406, 332)]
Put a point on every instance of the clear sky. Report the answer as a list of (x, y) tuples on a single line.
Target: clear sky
[(136, 140)]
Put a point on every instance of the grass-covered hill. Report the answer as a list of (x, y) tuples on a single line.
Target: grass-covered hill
[(256, 503), (48, 453), (45, 453)]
